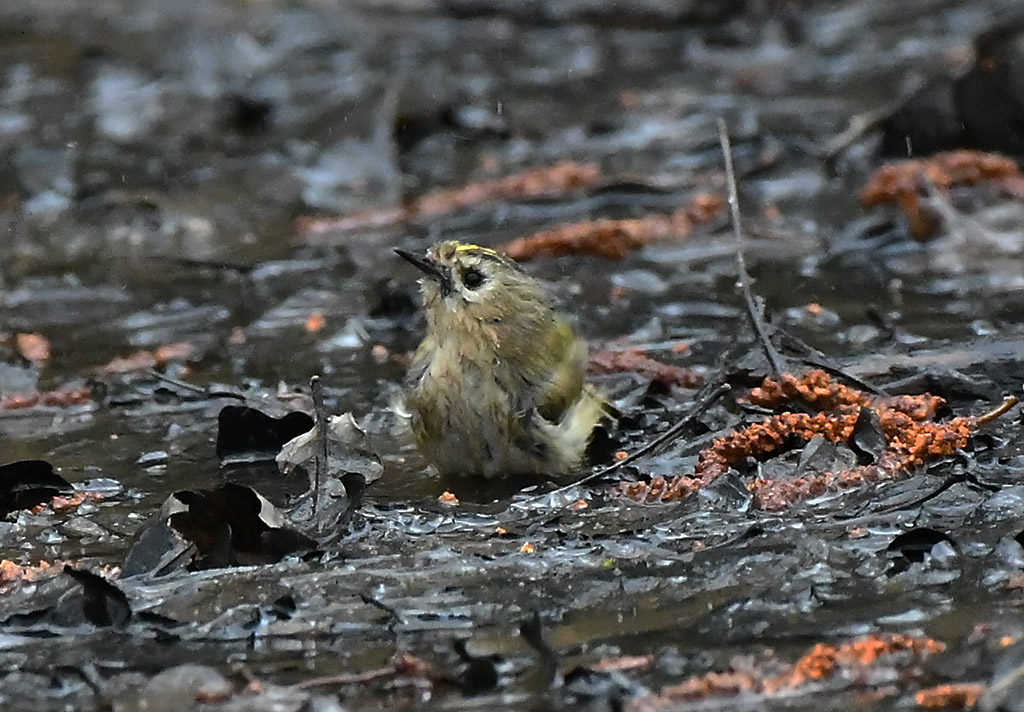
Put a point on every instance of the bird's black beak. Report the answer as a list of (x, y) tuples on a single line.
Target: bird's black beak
[(430, 267)]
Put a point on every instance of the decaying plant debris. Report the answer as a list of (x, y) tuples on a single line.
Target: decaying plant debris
[(911, 440), (614, 239), (812, 496), (548, 181), (905, 182)]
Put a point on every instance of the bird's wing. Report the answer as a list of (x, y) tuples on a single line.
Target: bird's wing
[(562, 380)]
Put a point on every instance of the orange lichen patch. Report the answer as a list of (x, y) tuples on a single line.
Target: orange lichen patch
[(822, 662), (901, 183), (628, 662), (307, 227), (409, 665), (817, 664), (712, 684), (11, 573), (614, 239), (178, 351), (526, 548), (611, 239), (60, 503), (636, 361), (964, 695), (214, 694), (911, 440), (817, 389), (448, 498), (871, 649), (62, 398), (1015, 582), (33, 347), (142, 360), (562, 177), (139, 361), (315, 322)]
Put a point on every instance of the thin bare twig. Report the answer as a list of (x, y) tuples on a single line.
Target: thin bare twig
[(702, 403), (358, 678), (754, 305), (322, 452), (858, 125), (184, 385), (818, 359)]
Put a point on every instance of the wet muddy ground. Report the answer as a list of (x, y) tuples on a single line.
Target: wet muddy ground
[(198, 207)]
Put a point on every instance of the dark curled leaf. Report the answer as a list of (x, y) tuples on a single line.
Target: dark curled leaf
[(284, 607), (247, 435), (155, 547), (588, 684), (868, 440), (227, 526), (103, 603), (481, 671), (235, 520), (355, 488), (26, 483), (915, 543), (248, 514), (913, 546), (819, 456), (279, 543)]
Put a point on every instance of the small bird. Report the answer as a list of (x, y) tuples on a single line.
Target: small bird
[(496, 388)]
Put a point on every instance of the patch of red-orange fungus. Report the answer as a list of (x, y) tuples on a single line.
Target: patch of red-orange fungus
[(556, 179), (822, 662), (958, 696), (614, 238), (901, 182), (912, 439)]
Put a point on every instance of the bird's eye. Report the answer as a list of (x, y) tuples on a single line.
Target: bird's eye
[(472, 278)]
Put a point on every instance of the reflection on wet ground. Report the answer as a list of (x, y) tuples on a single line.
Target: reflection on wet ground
[(198, 206)]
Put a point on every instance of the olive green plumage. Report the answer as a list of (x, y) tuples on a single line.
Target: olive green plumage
[(496, 387)]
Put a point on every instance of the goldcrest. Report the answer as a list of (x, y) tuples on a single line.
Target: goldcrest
[(496, 388)]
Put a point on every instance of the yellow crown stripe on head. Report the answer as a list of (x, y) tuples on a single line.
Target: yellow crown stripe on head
[(476, 248)]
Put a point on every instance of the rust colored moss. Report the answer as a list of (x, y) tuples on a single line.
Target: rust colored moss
[(950, 697), (822, 662), (912, 439), (900, 183), (637, 361), (613, 239), (561, 177)]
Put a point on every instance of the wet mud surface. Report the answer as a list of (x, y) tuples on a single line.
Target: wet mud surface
[(198, 208)]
